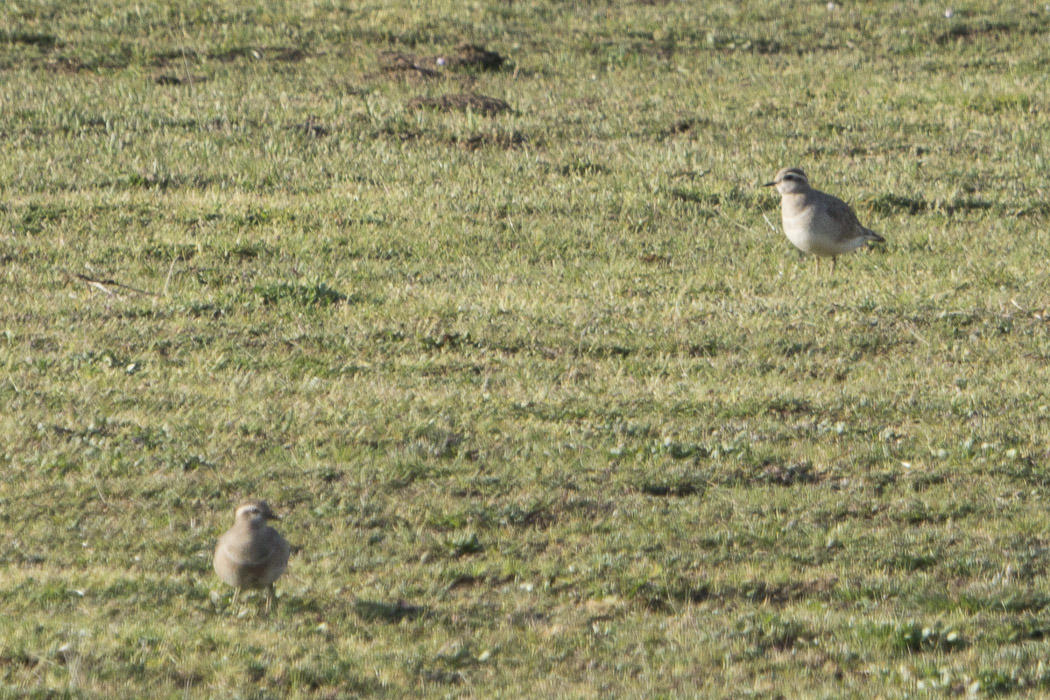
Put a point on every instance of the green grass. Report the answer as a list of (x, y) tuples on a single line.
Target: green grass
[(549, 408)]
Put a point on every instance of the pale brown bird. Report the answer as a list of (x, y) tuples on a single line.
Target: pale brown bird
[(252, 554), (817, 222)]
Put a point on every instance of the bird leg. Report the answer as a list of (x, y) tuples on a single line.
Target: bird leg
[(271, 597), (833, 259)]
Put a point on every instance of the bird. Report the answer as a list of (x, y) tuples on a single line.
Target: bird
[(817, 222), (251, 554)]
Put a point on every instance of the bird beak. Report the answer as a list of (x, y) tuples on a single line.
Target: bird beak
[(273, 516), (769, 184)]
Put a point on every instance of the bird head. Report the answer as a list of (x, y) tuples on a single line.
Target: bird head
[(255, 513), (789, 181)]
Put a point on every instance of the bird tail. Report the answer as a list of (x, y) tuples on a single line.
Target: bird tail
[(870, 235)]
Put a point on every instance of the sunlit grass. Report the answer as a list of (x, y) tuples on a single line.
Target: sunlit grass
[(548, 406)]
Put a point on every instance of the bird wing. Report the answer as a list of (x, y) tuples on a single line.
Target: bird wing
[(844, 214), (280, 549), (848, 226)]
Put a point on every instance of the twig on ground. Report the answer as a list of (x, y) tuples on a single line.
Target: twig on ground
[(167, 279), (103, 285), (915, 333), (735, 223)]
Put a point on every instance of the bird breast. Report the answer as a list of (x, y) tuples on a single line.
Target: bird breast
[(252, 559)]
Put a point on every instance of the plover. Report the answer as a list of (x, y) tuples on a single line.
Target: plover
[(252, 554), (817, 222)]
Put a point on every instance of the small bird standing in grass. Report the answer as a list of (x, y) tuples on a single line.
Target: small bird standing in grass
[(817, 222), (252, 554)]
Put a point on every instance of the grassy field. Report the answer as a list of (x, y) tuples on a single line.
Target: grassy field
[(548, 406)]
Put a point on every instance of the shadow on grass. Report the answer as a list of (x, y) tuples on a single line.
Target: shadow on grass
[(379, 611), (45, 41)]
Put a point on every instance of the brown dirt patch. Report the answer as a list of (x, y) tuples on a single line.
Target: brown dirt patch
[(504, 140), (178, 56), (781, 592), (465, 57), (482, 104), (273, 53), (311, 127), (475, 57), (407, 65), (789, 474), (168, 79)]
